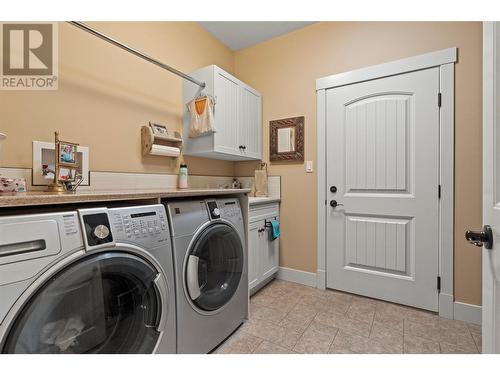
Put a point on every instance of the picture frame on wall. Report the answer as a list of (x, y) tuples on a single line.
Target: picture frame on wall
[(68, 153), (67, 174), (159, 129), (44, 156)]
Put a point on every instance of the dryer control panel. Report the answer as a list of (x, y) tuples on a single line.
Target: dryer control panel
[(144, 225)]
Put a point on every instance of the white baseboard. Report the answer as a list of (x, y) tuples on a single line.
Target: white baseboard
[(467, 313), (297, 276), (446, 305)]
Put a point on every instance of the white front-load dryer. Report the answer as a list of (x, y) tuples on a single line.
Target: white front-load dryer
[(210, 261), (87, 281)]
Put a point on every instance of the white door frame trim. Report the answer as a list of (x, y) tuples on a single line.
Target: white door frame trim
[(444, 59), (489, 111)]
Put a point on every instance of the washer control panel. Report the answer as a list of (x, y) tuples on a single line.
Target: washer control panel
[(96, 228), (213, 209), (229, 208), (145, 225)]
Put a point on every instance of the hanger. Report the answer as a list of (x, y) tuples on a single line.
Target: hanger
[(200, 102), (200, 97)]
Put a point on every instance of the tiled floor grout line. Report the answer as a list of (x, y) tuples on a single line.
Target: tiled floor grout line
[(331, 344), (302, 334), (473, 339), (404, 345)]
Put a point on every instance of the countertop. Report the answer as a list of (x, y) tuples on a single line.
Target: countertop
[(38, 198), (254, 201)]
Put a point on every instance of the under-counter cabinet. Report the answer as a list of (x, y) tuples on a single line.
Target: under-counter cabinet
[(237, 117), (263, 253)]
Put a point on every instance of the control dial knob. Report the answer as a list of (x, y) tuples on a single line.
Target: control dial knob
[(101, 232)]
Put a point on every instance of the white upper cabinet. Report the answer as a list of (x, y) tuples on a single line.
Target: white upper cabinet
[(237, 115), (250, 123)]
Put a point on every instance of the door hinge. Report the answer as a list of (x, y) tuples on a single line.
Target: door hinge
[(439, 99), (439, 283), (439, 191)]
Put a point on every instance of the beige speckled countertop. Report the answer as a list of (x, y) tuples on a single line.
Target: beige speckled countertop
[(38, 198)]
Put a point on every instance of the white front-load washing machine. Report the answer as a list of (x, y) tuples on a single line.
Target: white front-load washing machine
[(210, 263), (93, 280)]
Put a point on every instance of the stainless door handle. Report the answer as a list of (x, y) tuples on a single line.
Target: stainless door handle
[(480, 238), (334, 203), (193, 285)]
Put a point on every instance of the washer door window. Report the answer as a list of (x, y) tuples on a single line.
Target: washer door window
[(104, 303), (214, 266)]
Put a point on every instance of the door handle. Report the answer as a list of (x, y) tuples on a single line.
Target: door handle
[(160, 286), (334, 203), (193, 285), (480, 238)]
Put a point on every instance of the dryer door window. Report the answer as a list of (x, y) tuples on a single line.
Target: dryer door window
[(213, 267), (103, 303)]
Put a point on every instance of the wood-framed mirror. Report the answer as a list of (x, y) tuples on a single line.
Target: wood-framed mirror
[(287, 139)]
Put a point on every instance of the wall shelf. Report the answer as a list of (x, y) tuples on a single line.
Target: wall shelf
[(160, 145)]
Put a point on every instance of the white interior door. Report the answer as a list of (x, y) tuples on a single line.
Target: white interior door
[(382, 171), (491, 190)]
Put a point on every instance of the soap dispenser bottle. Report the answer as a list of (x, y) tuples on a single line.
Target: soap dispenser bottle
[(183, 176)]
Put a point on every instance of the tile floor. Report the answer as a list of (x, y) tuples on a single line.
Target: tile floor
[(292, 318)]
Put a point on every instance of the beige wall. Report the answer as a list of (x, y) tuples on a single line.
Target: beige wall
[(105, 94), (284, 70)]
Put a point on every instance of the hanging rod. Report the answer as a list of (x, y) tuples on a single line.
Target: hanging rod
[(135, 52)]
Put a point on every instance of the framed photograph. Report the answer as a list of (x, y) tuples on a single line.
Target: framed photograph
[(68, 154), (43, 163), (159, 129), (67, 174)]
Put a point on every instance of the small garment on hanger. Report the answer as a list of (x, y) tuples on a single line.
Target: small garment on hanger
[(202, 116)]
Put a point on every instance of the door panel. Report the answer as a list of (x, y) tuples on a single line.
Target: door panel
[(226, 114), (253, 254), (249, 132), (383, 155), (491, 188), (270, 254), (376, 143), (378, 243)]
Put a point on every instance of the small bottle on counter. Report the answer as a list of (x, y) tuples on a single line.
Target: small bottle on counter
[(183, 176)]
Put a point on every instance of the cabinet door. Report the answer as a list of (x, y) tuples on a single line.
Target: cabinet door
[(254, 249), (226, 114), (250, 124), (269, 255)]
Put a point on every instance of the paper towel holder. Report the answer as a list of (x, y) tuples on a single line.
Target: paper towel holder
[(150, 136)]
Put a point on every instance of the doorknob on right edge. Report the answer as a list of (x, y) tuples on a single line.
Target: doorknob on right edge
[(480, 238)]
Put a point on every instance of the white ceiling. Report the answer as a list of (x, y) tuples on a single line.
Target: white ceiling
[(239, 35)]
